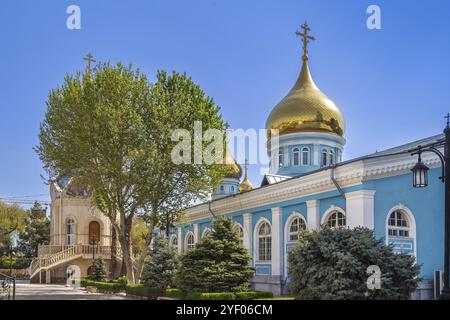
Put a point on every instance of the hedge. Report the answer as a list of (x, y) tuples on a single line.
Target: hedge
[(245, 295), (141, 290), (106, 287)]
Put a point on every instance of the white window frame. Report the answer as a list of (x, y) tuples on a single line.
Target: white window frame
[(327, 215), (257, 238), (324, 153), (305, 150), (70, 237), (240, 231), (172, 239), (280, 158), (296, 153), (287, 232), (189, 246), (331, 157), (412, 225)]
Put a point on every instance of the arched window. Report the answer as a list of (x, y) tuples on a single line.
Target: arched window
[(398, 225), (401, 230), (264, 242), (240, 232), (190, 242), (336, 219), (296, 156), (331, 162), (296, 225), (280, 158), (174, 243), (305, 156), (70, 230), (206, 233), (324, 157), (232, 188), (222, 189)]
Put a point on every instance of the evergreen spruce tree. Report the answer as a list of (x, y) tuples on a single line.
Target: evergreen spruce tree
[(333, 263), (218, 263), (36, 231), (160, 265), (98, 270)]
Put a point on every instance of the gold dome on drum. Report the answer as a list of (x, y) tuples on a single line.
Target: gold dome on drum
[(306, 108), (246, 185), (233, 169)]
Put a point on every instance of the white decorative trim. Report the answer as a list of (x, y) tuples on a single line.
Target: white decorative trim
[(185, 239), (347, 175), (180, 240), (411, 220), (360, 206), (247, 227), (196, 233), (291, 217), (256, 242), (205, 231), (330, 210), (171, 240)]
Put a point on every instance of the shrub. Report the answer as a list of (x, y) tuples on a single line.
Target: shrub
[(332, 264), (174, 293), (252, 295), (160, 265), (106, 287), (98, 270), (218, 263)]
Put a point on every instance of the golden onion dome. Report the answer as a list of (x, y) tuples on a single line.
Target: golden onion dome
[(306, 108), (234, 170), (246, 184)]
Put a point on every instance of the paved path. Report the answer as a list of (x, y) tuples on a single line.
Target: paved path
[(26, 291)]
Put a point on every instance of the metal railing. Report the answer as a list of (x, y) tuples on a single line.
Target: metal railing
[(7, 287)]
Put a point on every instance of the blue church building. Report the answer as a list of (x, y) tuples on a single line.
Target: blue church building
[(309, 185)]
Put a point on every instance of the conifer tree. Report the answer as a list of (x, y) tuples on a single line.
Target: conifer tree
[(160, 265), (218, 263), (98, 271)]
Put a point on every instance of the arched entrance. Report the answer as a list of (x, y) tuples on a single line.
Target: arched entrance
[(94, 232), (73, 275)]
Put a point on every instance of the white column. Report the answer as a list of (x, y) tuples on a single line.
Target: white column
[(248, 234), (316, 154), (313, 214), (180, 240), (276, 241), (286, 156), (360, 208), (196, 232)]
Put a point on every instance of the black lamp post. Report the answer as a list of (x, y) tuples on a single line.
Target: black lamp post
[(420, 180), (94, 242)]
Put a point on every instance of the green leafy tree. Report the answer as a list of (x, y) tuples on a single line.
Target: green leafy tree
[(112, 129), (98, 270), (36, 231), (160, 265), (332, 264), (12, 218), (218, 263)]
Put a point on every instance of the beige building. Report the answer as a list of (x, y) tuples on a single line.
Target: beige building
[(79, 232)]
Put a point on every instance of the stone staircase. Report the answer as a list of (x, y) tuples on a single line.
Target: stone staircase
[(50, 257)]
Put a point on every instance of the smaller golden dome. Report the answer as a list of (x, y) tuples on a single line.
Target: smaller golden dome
[(246, 184), (234, 170)]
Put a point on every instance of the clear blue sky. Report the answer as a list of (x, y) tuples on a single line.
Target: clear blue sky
[(391, 84)]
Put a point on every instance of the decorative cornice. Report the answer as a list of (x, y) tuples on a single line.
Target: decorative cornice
[(347, 175)]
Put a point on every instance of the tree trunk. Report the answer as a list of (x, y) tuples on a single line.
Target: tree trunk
[(113, 263), (125, 244)]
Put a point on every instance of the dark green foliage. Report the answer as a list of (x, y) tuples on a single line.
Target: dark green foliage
[(245, 295), (160, 265), (218, 263), (252, 295), (141, 290), (36, 231), (332, 264), (98, 270), (107, 287)]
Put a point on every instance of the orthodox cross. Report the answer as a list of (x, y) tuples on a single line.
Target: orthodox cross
[(89, 58), (306, 39), (448, 119)]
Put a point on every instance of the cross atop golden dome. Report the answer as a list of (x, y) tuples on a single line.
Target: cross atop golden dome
[(246, 184), (306, 108)]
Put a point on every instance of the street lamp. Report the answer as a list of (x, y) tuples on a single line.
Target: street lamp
[(94, 242), (420, 180)]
